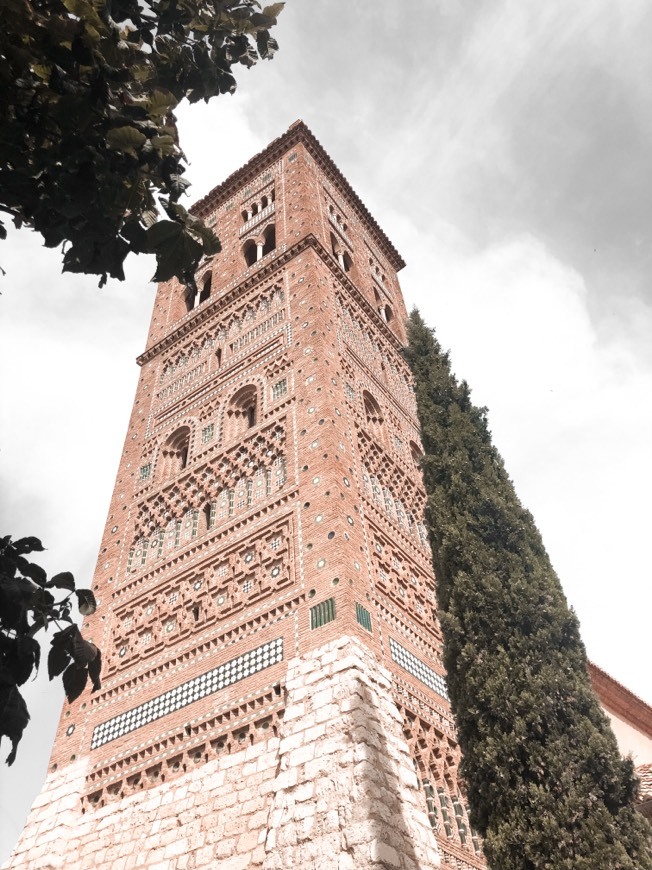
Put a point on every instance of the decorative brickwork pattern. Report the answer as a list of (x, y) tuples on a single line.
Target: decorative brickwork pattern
[(273, 693)]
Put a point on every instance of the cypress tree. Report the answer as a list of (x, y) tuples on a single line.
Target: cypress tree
[(546, 784)]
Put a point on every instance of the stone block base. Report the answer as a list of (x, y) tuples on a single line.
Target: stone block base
[(336, 791)]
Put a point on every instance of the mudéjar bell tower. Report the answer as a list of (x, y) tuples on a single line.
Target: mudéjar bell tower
[(273, 694)]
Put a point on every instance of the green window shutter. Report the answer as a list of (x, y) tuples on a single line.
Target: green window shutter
[(322, 613), (363, 616)]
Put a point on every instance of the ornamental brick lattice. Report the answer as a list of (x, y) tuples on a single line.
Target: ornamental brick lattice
[(273, 692)]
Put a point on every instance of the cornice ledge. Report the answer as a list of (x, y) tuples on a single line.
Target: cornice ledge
[(207, 311)]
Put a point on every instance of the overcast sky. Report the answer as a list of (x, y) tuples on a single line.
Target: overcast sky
[(505, 148)]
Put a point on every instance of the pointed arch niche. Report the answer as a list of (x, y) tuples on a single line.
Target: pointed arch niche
[(373, 416), (175, 452), (242, 413)]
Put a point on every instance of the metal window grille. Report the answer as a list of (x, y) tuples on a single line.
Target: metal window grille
[(207, 433), (280, 389), (145, 471)]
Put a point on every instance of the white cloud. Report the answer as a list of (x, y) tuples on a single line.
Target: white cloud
[(569, 415)]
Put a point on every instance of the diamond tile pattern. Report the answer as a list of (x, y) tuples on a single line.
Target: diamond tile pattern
[(212, 681), (418, 669)]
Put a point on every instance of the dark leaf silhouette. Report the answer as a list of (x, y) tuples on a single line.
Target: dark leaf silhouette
[(26, 608)]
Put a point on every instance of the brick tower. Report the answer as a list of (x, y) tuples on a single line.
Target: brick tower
[(273, 693)]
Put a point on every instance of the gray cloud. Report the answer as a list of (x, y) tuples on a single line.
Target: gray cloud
[(504, 147)]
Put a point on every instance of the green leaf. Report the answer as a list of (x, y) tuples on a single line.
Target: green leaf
[(164, 144), (181, 257), (74, 681), (58, 660), (94, 670), (13, 714), (207, 237), (21, 655), (149, 217), (65, 580), (273, 10), (28, 545), (161, 103), (83, 651), (163, 233), (34, 572), (86, 602), (125, 139)]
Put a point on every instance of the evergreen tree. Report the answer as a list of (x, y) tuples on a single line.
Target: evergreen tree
[(547, 787)]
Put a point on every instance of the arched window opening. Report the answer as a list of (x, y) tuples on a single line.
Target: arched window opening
[(341, 255), (176, 451), (373, 415), (206, 288), (270, 239), (377, 296), (249, 252), (242, 413), (254, 208), (209, 515), (416, 453), (245, 215), (388, 314), (264, 202), (218, 357)]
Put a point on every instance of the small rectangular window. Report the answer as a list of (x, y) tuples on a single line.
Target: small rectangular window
[(208, 433), (145, 471), (279, 389)]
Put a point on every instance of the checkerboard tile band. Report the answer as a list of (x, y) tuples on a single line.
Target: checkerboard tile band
[(174, 699), (418, 669)]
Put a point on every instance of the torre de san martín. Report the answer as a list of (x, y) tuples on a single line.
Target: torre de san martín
[(273, 693)]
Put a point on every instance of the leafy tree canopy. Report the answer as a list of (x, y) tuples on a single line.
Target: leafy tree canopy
[(88, 139), (546, 784), (28, 606)]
